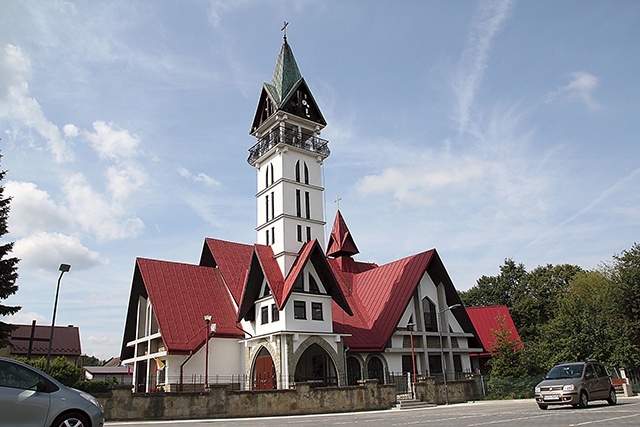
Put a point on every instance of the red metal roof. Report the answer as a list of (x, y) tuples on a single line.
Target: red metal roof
[(181, 295), (341, 241), (233, 261), (378, 297), (66, 340), (487, 319)]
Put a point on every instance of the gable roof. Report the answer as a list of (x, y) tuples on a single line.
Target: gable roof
[(66, 340), (381, 296), (487, 319), (232, 259), (181, 295), (264, 266)]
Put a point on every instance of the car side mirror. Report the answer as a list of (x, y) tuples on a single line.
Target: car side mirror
[(41, 386)]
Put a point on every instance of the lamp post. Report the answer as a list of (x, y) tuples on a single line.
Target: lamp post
[(410, 326), (208, 331), (63, 269), (444, 362)]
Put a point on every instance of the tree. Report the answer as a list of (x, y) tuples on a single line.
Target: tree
[(8, 268), (62, 370), (496, 290)]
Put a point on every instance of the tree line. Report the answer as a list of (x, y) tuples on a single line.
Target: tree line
[(564, 313)]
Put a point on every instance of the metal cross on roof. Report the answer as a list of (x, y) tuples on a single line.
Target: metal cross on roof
[(338, 199), (284, 29)]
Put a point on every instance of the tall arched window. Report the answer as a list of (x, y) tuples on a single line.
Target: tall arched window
[(375, 369), (430, 315), (271, 174), (298, 171), (354, 371), (306, 173), (316, 366)]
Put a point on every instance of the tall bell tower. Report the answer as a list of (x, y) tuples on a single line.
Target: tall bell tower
[(288, 158)]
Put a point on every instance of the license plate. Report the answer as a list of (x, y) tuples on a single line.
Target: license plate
[(550, 397)]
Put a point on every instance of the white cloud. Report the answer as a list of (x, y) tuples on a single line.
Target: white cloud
[(112, 143), (15, 103), (107, 219), (200, 177), (580, 88), (21, 318), (44, 251), (33, 209), (488, 19)]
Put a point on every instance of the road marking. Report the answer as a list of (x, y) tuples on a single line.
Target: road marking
[(604, 421)]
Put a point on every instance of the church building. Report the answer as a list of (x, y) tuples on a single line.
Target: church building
[(290, 308)]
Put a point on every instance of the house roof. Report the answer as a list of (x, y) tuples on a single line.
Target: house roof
[(487, 319), (232, 259), (66, 340), (181, 295), (264, 266)]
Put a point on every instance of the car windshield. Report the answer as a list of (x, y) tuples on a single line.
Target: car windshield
[(565, 371)]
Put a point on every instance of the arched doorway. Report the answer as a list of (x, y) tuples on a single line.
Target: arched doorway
[(316, 367), (264, 371), (375, 369), (354, 371)]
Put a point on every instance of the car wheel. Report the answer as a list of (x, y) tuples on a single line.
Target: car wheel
[(543, 407), (72, 419), (584, 400), (612, 399)]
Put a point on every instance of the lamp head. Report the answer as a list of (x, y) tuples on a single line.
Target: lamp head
[(64, 267), (207, 318)]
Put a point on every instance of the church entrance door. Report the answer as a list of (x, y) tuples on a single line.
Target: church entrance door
[(264, 372)]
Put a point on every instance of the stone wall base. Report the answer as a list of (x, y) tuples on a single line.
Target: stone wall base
[(224, 401), (430, 391)]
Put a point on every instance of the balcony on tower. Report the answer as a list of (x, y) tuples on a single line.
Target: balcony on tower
[(290, 137)]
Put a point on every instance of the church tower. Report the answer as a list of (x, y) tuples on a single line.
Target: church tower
[(288, 159)]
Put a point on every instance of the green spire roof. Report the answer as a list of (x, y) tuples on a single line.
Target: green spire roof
[(285, 75)]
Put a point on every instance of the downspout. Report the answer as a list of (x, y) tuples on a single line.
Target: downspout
[(182, 368)]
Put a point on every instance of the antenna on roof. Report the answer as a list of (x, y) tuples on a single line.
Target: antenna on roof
[(284, 30)]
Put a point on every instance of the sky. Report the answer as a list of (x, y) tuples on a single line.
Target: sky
[(487, 130)]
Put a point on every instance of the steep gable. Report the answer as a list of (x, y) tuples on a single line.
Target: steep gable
[(181, 295), (487, 319), (232, 259)]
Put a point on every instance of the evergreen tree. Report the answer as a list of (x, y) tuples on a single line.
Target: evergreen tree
[(8, 268)]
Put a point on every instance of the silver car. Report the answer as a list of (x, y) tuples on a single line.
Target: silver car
[(575, 384), (29, 397)]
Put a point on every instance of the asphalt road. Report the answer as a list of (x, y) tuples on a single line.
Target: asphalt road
[(485, 413)]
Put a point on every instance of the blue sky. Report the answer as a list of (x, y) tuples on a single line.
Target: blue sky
[(488, 130)]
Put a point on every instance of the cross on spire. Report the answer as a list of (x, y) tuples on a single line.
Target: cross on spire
[(337, 201), (284, 29)]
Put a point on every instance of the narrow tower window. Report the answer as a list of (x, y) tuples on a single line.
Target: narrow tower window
[(271, 174), (299, 233), (266, 207), (306, 173), (298, 171), (298, 207), (273, 235), (307, 204), (308, 234), (273, 205)]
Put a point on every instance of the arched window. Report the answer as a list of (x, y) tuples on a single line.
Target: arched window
[(354, 371), (298, 171), (316, 367), (271, 175), (375, 369), (306, 173), (430, 315)]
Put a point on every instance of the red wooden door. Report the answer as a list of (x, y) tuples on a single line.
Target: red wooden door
[(265, 374)]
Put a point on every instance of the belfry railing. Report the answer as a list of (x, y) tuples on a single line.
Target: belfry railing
[(291, 137)]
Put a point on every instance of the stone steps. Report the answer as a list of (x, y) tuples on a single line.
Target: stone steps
[(411, 404)]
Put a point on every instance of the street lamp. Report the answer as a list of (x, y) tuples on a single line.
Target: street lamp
[(410, 326), (208, 331), (63, 269), (444, 362)]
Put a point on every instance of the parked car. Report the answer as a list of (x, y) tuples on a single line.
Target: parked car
[(29, 397), (575, 384)]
